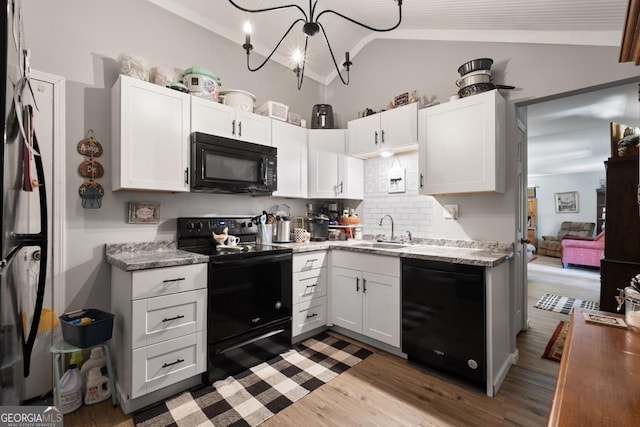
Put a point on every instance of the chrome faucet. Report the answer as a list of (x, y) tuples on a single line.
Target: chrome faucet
[(391, 218)]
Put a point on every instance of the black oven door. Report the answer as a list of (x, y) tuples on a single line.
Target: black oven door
[(229, 166), (249, 313), (248, 293)]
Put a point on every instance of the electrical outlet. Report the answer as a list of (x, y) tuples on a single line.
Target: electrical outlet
[(451, 212)]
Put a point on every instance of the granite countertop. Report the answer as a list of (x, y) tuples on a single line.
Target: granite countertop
[(145, 255), (482, 253)]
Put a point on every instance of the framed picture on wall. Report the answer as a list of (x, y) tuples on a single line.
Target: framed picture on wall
[(566, 202), (531, 192)]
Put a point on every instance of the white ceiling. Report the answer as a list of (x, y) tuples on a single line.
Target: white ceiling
[(571, 134), (563, 135), (582, 22)]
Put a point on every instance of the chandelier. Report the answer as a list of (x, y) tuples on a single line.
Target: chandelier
[(310, 27)]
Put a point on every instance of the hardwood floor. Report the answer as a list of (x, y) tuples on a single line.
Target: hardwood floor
[(385, 390)]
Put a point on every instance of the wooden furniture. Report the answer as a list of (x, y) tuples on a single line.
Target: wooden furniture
[(630, 49), (597, 383), (333, 174), (150, 137), (310, 278), (365, 295), (462, 146), (621, 256), (291, 142), (393, 130), (218, 119), (532, 221), (601, 209), (160, 331)]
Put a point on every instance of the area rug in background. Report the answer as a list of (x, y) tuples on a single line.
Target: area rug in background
[(555, 346), (253, 396), (564, 305)]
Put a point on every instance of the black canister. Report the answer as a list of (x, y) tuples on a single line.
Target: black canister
[(322, 117)]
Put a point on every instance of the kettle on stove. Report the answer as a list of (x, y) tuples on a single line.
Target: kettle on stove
[(322, 117)]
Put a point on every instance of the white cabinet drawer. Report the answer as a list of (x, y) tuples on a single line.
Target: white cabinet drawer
[(170, 316), (168, 280), (309, 261), (169, 362), (309, 315), (380, 264), (309, 284)]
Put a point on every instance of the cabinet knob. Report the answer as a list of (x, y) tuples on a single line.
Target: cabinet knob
[(375, 137)]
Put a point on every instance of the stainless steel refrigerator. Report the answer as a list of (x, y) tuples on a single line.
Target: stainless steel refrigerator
[(22, 176)]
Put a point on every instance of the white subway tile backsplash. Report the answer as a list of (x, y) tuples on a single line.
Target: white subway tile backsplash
[(410, 210)]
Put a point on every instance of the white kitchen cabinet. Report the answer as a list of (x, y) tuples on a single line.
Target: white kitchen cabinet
[(160, 331), (309, 286), (365, 295), (218, 119), (462, 146), (291, 142), (393, 130), (333, 174), (150, 137)]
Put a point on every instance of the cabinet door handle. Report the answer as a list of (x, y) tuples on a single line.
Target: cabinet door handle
[(233, 127), (179, 316), (364, 286), (357, 284), (376, 137), (240, 129), (166, 365), (309, 316), (173, 280), (421, 181), (340, 192), (311, 286), (382, 135), (186, 176)]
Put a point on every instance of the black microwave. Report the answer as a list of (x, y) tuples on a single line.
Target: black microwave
[(225, 165)]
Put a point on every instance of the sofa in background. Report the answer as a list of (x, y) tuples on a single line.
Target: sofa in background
[(582, 250), (551, 245)]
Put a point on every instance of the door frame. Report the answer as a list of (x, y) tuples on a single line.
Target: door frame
[(57, 187)]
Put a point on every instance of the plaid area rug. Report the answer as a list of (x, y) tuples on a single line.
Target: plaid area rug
[(564, 305), (256, 394)]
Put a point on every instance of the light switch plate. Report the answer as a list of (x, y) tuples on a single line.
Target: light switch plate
[(451, 212)]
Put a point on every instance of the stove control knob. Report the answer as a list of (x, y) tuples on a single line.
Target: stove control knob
[(190, 226), (250, 225), (244, 224), (199, 226)]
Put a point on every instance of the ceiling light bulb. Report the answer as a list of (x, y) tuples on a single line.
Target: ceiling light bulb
[(297, 57), (247, 27)]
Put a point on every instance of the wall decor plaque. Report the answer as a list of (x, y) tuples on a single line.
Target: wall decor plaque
[(144, 213)]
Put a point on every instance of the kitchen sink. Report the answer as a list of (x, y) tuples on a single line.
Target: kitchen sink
[(383, 245)]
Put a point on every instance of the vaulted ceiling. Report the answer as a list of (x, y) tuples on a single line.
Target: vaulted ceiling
[(562, 136), (581, 22)]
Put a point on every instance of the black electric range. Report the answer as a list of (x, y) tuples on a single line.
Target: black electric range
[(249, 294), (195, 235)]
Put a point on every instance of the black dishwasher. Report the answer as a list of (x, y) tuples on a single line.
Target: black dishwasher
[(443, 318)]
